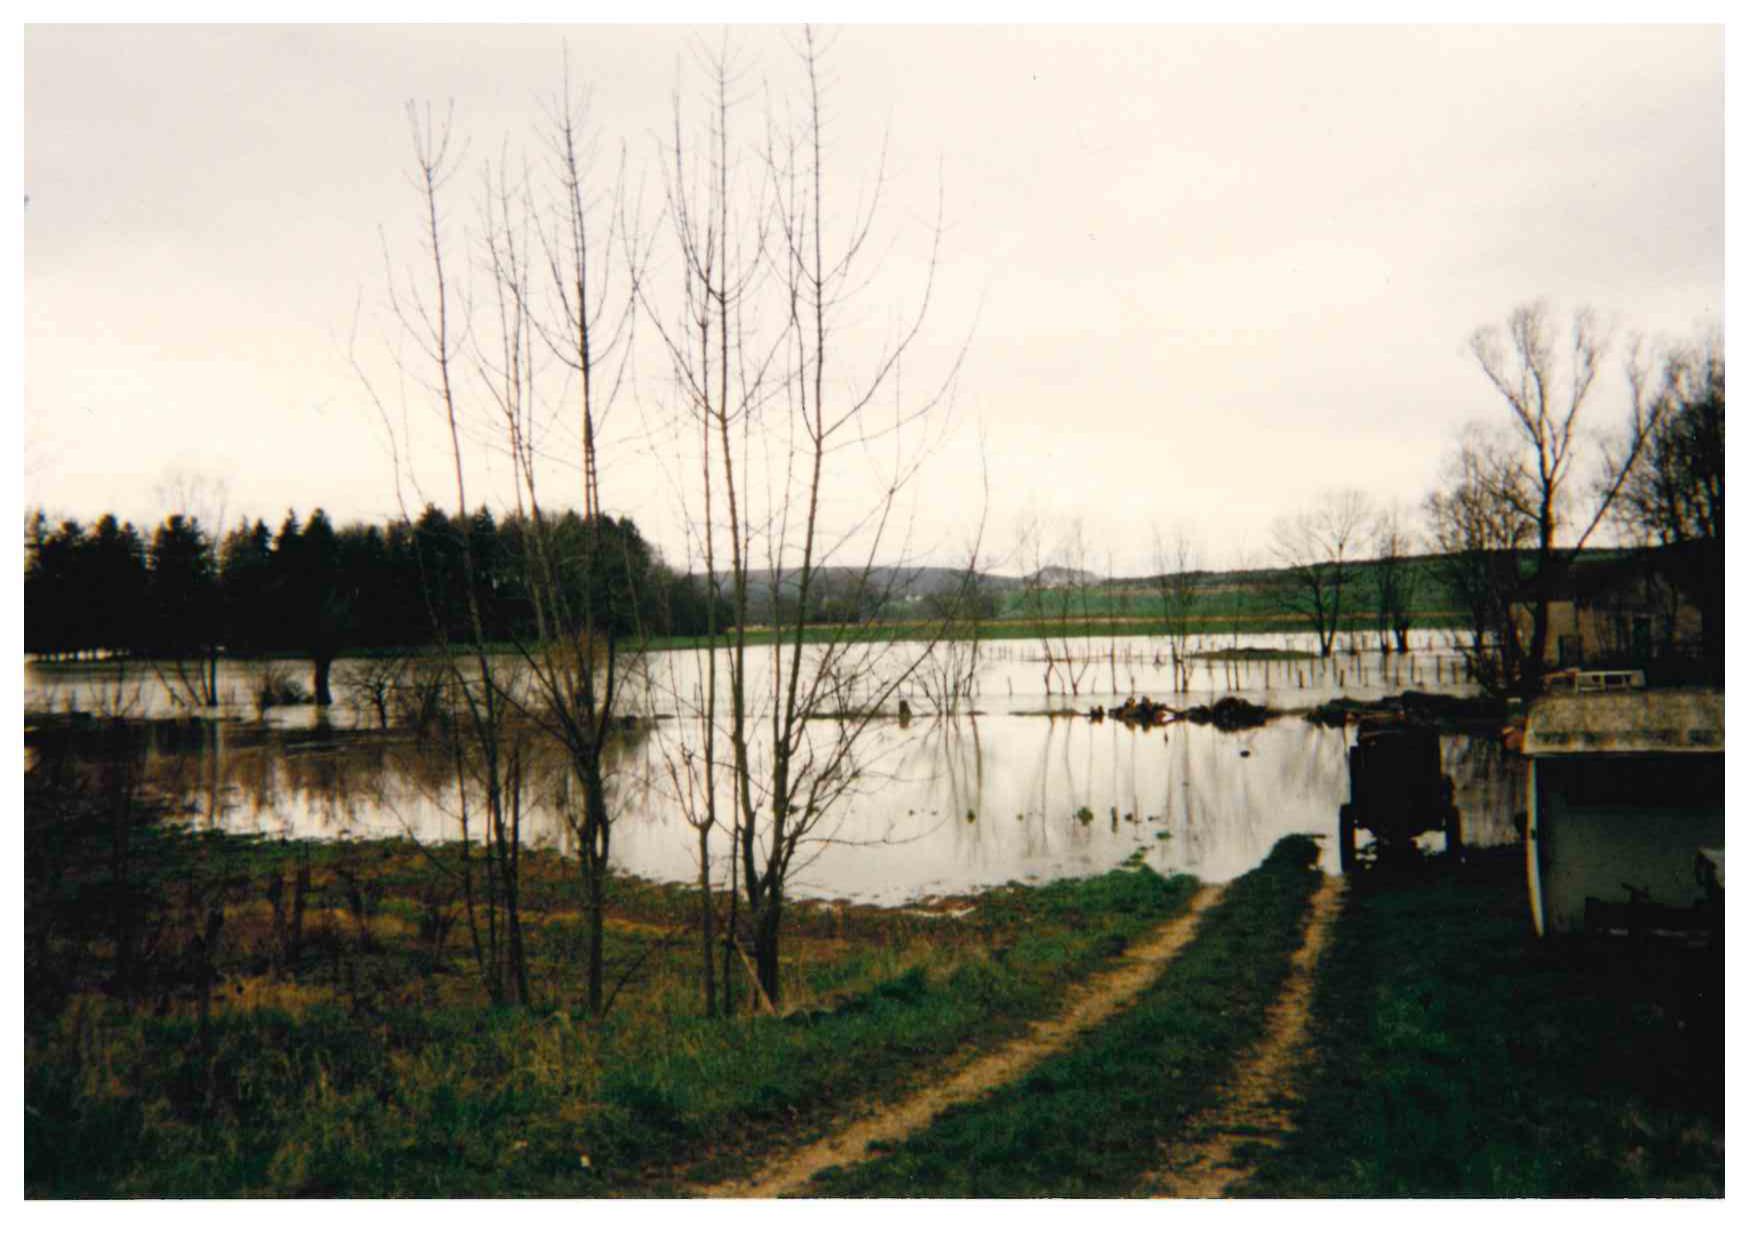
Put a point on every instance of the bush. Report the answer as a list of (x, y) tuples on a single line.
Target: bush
[(276, 687)]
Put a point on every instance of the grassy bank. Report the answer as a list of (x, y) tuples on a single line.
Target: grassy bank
[(1457, 1055), (1089, 1122), (368, 1061)]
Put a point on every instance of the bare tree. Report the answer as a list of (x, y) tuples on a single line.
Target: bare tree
[(1480, 528), (1546, 384), (1675, 492), (1315, 549), (426, 309), (1176, 568), (790, 417), (371, 684), (1674, 496), (948, 675), (723, 376), (1039, 603), (551, 297), (1396, 578)]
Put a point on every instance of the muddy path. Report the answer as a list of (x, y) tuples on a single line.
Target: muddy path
[(1089, 1004), (1255, 1105)]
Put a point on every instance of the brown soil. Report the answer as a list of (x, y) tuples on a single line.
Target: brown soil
[(1089, 1004), (1255, 1106)]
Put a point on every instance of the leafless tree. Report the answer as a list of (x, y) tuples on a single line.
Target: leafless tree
[(1176, 568), (1674, 495), (371, 683), (1480, 527), (1041, 605), (1396, 578), (1675, 492), (1545, 374), (947, 677), (1316, 549), (788, 416), (724, 372), (552, 298)]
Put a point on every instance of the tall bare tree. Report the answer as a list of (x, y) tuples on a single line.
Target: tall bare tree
[(1396, 579), (1545, 373), (724, 372), (1176, 568), (793, 417), (548, 266), (1316, 549), (1479, 527), (1674, 495)]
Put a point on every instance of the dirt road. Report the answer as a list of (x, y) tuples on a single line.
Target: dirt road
[(1255, 1105), (1092, 1003)]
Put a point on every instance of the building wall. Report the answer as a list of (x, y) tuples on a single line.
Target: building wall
[(1602, 821), (1603, 630)]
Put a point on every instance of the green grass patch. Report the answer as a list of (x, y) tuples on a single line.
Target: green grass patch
[(1089, 1122), (1457, 1055), (372, 1066)]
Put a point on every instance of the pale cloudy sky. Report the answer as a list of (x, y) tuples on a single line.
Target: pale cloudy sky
[(1205, 272)]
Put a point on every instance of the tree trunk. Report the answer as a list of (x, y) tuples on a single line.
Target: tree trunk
[(324, 664), (765, 942), (708, 933)]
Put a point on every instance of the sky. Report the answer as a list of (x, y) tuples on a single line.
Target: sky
[(1188, 277)]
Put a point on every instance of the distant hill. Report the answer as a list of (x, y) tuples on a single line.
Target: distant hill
[(1055, 576), (901, 582)]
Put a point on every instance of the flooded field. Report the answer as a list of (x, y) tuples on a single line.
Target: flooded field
[(943, 805)]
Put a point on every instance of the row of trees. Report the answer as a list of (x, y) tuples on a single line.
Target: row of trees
[(1526, 497), (316, 590), (517, 319), (1325, 573)]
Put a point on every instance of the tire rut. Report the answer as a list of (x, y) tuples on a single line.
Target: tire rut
[(1091, 1003), (1255, 1105)]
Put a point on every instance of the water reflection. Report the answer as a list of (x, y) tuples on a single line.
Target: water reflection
[(943, 806)]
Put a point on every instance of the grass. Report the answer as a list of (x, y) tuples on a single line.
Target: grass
[(1460, 1056), (1089, 1122), (371, 1064)]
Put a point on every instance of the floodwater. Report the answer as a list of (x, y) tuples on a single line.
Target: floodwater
[(939, 806)]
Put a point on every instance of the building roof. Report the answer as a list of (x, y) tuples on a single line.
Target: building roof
[(1626, 721)]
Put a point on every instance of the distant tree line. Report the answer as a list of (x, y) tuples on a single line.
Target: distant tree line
[(311, 589)]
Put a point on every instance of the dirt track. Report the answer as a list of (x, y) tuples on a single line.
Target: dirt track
[(1092, 1003), (1255, 1105)]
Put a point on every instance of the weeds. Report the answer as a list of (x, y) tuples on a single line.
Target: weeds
[(322, 1035), (273, 686)]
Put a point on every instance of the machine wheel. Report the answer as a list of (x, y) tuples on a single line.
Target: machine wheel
[(1345, 834)]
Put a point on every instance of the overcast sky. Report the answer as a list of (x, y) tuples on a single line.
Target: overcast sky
[(1204, 272)]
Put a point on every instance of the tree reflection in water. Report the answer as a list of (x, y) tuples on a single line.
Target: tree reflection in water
[(946, 805)]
